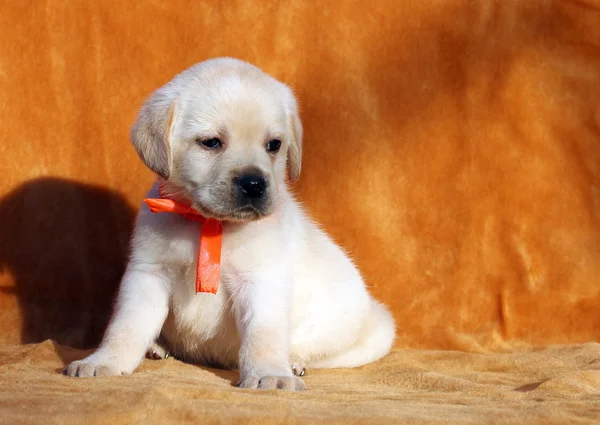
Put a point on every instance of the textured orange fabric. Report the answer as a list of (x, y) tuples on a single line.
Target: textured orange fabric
[(554, 385), (452, 147), (208, 265)]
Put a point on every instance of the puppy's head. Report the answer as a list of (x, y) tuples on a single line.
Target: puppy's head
[(222, 134)]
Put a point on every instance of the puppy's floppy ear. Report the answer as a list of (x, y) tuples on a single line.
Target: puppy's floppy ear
[(294, 154), (151, 132)]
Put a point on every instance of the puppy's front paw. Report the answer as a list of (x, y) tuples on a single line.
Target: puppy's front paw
[(91, 366), (289, 383)]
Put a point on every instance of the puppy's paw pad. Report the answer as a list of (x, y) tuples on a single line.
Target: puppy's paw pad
[(85, 369), (157, 352)]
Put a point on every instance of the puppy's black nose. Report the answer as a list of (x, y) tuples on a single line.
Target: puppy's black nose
[(252, 185)]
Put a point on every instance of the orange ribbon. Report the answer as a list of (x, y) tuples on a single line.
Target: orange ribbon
[(208, 267)]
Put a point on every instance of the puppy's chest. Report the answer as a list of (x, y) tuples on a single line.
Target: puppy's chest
[(242, 262), (245, 254), (254, 248), (181, 243)]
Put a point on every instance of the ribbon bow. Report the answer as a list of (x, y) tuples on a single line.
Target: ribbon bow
[(208, 267)]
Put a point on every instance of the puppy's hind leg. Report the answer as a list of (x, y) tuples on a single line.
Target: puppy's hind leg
[(158, 350), (375, 341), (299, 367)]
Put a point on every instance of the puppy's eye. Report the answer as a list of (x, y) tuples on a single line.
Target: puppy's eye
[(274, 145), (213, 143)]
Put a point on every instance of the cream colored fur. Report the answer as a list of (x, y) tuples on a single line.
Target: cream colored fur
[(289, 296)]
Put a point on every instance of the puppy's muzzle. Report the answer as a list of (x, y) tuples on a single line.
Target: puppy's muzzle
[(251, 186), (252, 192)]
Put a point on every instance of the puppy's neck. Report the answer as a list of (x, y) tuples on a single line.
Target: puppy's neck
[(170, 190)]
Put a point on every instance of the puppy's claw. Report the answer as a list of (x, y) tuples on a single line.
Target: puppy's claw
[(298, 369), (288, 383), (157, 352), (85, 369)]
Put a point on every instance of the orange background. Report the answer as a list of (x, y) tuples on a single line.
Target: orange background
[(452, 147)]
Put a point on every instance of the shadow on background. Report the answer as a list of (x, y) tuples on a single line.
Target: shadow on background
[(64, 244)]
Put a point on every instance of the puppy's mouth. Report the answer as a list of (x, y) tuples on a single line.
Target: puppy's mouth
[(240, 214)]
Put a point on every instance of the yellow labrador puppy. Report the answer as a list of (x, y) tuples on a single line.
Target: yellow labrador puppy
[(221, 136)]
